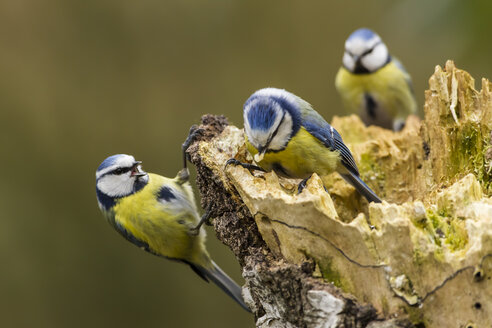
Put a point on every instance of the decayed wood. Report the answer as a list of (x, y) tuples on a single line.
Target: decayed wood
[(422, 257)]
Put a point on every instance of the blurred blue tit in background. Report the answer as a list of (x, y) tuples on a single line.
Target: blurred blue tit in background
[(374, 84), (285, 134), (159, 215)]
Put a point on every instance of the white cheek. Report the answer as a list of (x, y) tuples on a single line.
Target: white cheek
[(376, 59), (348, 62), (283, 134), (116, 185)]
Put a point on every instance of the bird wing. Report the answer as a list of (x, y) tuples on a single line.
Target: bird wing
[(131, 237), (407, 76), (178, 201), (316, 125), (158, 218)]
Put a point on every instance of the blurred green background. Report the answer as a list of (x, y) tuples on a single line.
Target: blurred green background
[(82, 80)]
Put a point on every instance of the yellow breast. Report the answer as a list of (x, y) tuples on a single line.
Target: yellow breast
[(164, 227), (303, 156), (388, 87)]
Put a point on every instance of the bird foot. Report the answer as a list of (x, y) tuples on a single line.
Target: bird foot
[(204, 219), (302, 184), (195, 131), (183, 175), (194, 231), (247, 166)]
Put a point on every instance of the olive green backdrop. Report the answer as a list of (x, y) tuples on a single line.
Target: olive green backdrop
[(82, 80)]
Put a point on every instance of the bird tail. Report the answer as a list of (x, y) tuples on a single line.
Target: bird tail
[(361, 187), (223, 281)]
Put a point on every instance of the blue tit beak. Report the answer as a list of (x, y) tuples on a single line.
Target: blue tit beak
[(359, 68), (357, 60), (259, 156), (137, 171)]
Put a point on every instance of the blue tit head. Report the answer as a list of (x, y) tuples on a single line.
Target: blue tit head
[(365, 52), (271, 117), (118, 176)]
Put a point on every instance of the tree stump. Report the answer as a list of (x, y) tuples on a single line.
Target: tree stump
[(422, 258)]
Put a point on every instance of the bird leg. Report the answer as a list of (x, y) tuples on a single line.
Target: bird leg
[(247, 166), (195, 131), (302, 185), (204, 219), (183, 176)]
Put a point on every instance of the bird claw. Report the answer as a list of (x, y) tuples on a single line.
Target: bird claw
[(247, 166), (194, 231), (183, 175), (302, 185), (204, 219), (195, 131)]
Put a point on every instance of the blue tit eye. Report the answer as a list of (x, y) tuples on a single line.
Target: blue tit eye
[(370, 50), (118, 171), (121, 170)]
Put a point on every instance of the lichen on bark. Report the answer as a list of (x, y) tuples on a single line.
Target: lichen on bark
[(317, 259)]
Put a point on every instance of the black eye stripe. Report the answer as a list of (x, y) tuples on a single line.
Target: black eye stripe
[(275, 132), (367, 52), (121, 170), (370, 50)]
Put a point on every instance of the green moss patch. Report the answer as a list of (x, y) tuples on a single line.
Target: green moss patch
[(443, 230), (371, 172), (468, 149)]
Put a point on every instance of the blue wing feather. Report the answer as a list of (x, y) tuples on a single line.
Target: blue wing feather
[(407, 76), (347, 158), (316, 125), (131, 238)]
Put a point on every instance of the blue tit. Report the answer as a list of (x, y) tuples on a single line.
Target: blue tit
[(157, 214), (374, 84), (285, 134)]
